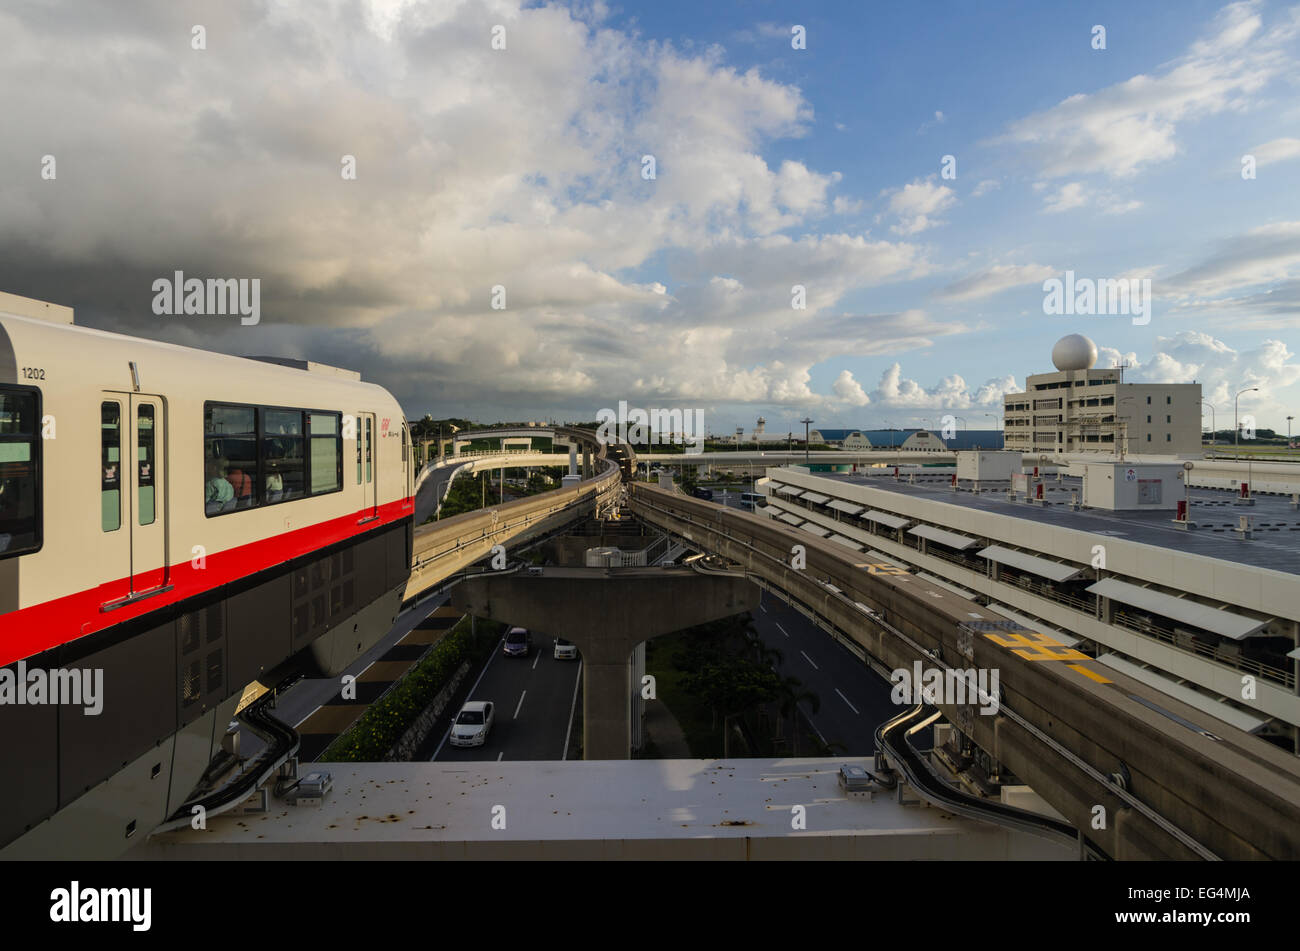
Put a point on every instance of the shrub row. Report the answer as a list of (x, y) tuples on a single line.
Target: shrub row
[(382, 725)]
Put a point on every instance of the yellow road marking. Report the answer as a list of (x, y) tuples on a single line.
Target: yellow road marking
[(1035, 646), (1089, 674)]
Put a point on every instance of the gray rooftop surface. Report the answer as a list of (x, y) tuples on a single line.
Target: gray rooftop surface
[(595, 809), (1276, 544)]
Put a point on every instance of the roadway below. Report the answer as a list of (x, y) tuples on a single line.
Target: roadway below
[(428, 494), (534, 697), (853, 699)]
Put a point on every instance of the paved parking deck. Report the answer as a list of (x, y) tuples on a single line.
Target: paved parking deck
[(1276, 542)]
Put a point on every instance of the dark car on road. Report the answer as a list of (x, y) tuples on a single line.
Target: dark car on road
[(519, 643)]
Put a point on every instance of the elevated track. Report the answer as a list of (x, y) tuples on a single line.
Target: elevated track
[(1113, 756)]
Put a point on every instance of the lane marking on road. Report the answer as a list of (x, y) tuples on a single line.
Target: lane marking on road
[(814, 726), (810, 660), (846, 700), (520, 705), (763, 609), (564, 754), (501, 754), (783, 631), (536, 659)]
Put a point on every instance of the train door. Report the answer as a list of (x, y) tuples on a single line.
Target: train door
[(133, 510), (147, 491), (366, 459)]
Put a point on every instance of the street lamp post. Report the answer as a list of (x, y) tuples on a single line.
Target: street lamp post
[(1288, 431), (994, 417), (1214, 430), (806, 423)]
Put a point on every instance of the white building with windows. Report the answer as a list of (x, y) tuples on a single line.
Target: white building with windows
[(1083, 409)]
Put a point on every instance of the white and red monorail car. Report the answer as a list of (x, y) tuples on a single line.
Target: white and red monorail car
[(183, 521)]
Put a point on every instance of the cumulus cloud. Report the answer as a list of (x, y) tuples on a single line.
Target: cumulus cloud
[(916, 204), (474, 168), (897, 393), (849, 390), (1193, 356)]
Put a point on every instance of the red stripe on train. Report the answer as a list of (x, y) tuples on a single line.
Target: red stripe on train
[(40, 627)]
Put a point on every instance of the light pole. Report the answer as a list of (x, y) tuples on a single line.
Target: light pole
[(1288, 431), (994, 417), (806, 423), (1236, 426), (1214, 430)]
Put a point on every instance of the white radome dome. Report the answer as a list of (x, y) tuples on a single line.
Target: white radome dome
[(1075, 352)]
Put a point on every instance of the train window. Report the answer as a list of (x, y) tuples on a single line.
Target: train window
[(358, 454), (229, 457), (110, 464), (20, 483), (326, 452), (283, 460), (370, 443), (145, 461)]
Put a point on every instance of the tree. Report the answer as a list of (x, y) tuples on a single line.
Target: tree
[(792, 691)]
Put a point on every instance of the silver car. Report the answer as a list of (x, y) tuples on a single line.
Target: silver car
[(472, 724)]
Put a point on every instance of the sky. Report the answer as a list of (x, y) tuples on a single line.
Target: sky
[(911, 174)]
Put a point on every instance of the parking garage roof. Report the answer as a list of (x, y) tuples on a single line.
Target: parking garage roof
[(1275, 545)]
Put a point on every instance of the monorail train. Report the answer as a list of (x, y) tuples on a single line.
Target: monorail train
[(184, 522)]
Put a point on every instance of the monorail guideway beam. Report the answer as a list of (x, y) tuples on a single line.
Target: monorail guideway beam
[(606, 612), (1060, 730)]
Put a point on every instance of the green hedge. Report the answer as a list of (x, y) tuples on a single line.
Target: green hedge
[(373, 735)]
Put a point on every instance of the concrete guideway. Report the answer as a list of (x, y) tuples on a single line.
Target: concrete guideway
[(443, 548), (1065, 728)]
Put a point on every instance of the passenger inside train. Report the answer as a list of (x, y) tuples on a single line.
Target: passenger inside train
[(218, 491)]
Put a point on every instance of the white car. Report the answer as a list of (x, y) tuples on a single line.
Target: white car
[(471, 726), (564, 650)]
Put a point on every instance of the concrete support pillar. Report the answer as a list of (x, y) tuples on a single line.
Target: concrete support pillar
[(606, 612), (573, 460)]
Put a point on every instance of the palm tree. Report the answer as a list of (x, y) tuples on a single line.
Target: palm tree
[(792, 691)]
